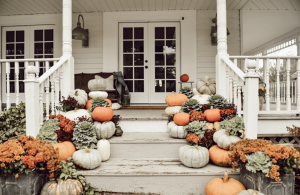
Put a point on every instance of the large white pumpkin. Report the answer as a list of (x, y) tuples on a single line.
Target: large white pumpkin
[(224, 139), (206, 85), (176, 131), (97, 84), (87, 158), (171, 110), (103, 146), (105, 130), (202, 99), (74, 114), (79, 95), (94, 94), (194, 157), (115, 106)]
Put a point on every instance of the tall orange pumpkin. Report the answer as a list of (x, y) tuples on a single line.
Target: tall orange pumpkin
[(181, 119), (225, 186), (88, 104), (212, 115), (219, 156), (66, 149), (184, 78), (103, 114), (176, 99)]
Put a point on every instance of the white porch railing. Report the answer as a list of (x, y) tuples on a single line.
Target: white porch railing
[(238, 82)]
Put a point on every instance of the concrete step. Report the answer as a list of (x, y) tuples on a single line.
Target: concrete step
[(145, 145), (165, 176)]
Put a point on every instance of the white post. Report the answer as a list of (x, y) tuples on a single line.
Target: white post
[(32, 102), (68, 68), (7, 86), (298, 85), (251, 100), (267, 69), (278, 103), (222, 47)]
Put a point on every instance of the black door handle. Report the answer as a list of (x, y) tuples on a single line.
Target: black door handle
[(146, 67), (146, 61)]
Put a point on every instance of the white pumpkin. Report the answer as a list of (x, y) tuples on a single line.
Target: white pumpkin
[(195, 91), (176, 131), (194, 157), (171, 110), (94, 94), (74, 114), (87, 158), (250, 192), (224, 139), (202, 99), (115, 106), (105, 130), (206, 85), (79, 95), (103, 146), (97, 84)]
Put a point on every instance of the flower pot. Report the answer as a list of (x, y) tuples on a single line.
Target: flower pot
[(25, 184), (258, 181)]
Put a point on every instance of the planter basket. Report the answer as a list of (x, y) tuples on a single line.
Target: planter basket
[(266, 185), (25, 184)]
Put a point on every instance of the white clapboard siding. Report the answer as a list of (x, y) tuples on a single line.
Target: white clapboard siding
[(206, 53), (253, 20), (89, 60)]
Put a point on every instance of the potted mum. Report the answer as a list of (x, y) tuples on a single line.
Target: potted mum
[(25, 164), (265, 166)]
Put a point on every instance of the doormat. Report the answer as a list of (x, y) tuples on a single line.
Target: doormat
[(143, 107)]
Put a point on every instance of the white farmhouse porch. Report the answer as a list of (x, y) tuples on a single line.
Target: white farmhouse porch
[(256, 26)]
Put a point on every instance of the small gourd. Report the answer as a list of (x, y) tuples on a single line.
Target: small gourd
[(176, 131), (80, 96), (87, 158), (171, 110), (184, 78), (224, 139), (193, 156), (103, 146), (69, 186), (250, 192), (225, 186), (105, 129), (215, 125)]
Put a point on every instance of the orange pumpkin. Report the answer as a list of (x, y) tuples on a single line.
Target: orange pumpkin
[(103, 114), (219, 156), (212, 115), (109, 101), (176, 99), (225, 186), (181, 119), (88, 104), (184, 78), (66, 149)]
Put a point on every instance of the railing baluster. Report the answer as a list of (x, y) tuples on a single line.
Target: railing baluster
[(57, 90), (62, 80), (288, 92), (26, 64), (7, 85), (227, 83), (52, 94), (266, 80), (41, 107), (239, 101), (292, 92), (278, 84), (230, 86), (37, 65), (298, 85), (47, 92), (17, 82)]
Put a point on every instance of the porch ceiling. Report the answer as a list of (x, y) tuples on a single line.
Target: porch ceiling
[(29, 7)]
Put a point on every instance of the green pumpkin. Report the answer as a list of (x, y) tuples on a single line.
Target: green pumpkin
[(87, 158), (69, 186)]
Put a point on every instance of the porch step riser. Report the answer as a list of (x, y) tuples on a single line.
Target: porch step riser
[(144, 125), (164, 185), (163, 150)]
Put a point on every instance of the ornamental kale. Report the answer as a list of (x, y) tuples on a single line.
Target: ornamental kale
[(197, 127), (258, 161), (235, 126)]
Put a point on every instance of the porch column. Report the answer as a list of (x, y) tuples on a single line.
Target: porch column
[(251, 100), (222, 47), (68, 68)]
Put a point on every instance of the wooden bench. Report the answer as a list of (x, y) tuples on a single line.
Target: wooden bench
[(82, 79)]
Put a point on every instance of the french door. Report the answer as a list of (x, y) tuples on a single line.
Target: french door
[(21, 42), (149, 57)]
